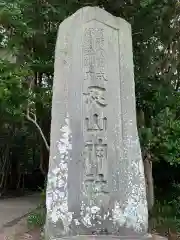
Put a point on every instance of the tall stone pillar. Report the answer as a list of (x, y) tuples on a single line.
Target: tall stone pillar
[(96, 182)]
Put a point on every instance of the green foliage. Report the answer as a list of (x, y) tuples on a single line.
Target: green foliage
[(146, 3), (166, 212), (37, 218), (166, 215), (163, 138), (13, 95)]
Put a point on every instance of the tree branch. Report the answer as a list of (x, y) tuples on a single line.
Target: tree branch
[(38, 127), (32, 117)]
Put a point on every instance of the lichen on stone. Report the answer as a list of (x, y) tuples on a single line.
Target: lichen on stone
[(57, 192)]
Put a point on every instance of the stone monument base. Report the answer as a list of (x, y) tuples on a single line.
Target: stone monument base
[(111, 237)]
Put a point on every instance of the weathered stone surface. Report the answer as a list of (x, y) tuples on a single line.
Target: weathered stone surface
[(96, 176), (110, 237)]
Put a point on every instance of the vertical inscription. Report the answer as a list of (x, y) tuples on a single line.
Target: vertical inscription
[(96, 95), (95, 123), (94, 54), (88, 158), (95, 150), (101, 157), (95, 161)]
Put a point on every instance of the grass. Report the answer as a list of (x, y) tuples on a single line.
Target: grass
[(38, 216)]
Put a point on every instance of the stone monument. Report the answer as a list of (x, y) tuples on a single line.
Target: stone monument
[(96, 185)]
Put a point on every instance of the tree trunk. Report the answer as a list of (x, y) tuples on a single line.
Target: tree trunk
[(149, 182), (44, 159), (14, 171)]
